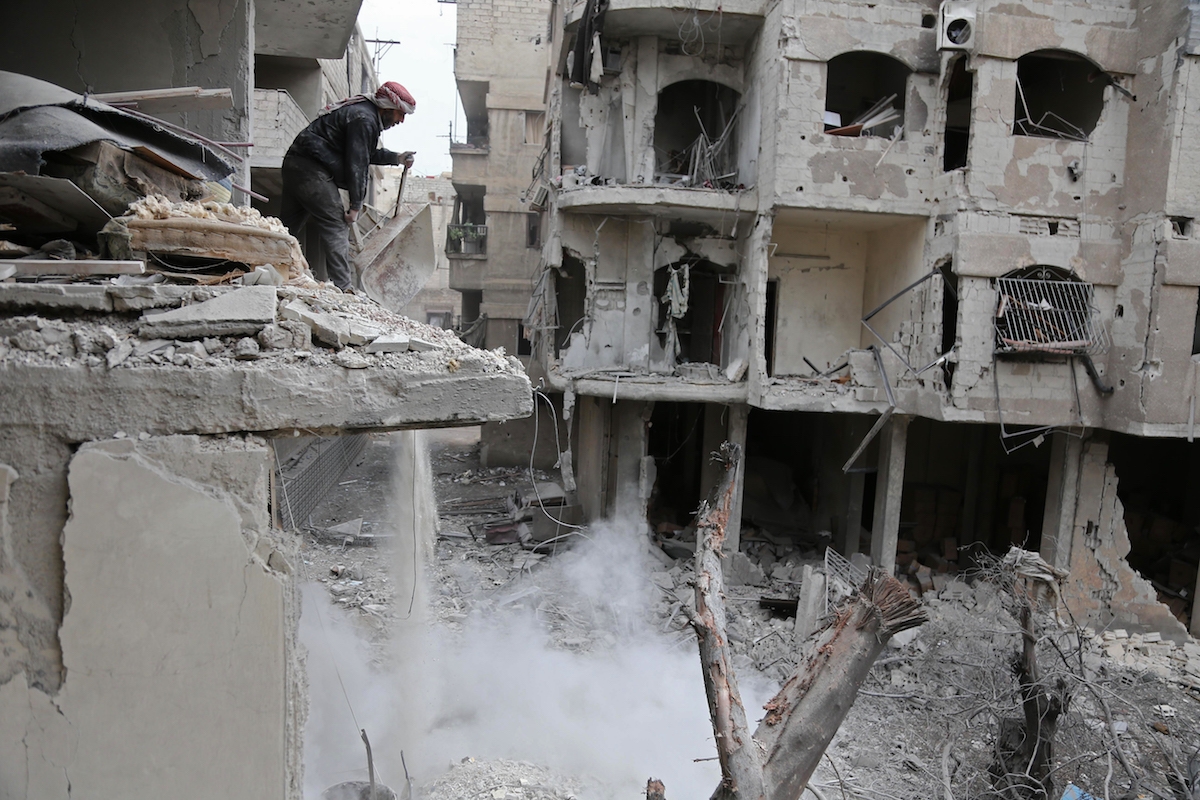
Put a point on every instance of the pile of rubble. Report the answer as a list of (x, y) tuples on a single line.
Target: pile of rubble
[(164, 324), (499, 780)]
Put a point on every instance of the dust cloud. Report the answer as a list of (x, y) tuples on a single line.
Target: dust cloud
[(510, 682)]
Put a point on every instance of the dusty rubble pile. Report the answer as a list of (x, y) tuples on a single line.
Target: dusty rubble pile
[(499, 780), (198, 327)]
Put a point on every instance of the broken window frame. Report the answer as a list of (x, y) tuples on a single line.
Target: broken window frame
[(864, 123), (1023, 125), (866, 321)]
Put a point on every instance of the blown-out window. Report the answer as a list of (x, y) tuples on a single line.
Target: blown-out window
[(1059, 95), (864, 94)]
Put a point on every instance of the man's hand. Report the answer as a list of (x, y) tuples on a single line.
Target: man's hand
[(406, 158), (351, 216)]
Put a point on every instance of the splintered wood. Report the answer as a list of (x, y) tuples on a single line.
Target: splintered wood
[(777, 762)]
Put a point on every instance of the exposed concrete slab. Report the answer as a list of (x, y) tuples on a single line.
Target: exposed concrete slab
[(243, 311), (389, 343), (327, 328)]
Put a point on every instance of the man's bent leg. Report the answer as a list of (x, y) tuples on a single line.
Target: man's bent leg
[(311, 187)]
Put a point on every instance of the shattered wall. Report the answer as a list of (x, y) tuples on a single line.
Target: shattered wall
[(178, 641)]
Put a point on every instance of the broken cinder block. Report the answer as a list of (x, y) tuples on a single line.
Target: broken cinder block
[(389, 343), (330, 329)]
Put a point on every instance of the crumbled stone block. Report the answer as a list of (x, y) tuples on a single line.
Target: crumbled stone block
[(421, 345), (275, 337), (327, 328), (118, 354), (195, 349), (301, 333), (362, 332), (350, 359), (240, 312), (29, 340), (389, 343), (245, 349)]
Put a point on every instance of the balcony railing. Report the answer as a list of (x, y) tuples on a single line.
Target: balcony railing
[(466, 239)]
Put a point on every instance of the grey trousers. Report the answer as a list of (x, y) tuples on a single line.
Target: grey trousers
[(310, 197)]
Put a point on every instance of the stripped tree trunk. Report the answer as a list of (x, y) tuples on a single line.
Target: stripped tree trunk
[(778, 760), (741, 762)]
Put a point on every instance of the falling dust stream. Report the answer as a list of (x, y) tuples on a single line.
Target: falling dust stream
[(505, 685)]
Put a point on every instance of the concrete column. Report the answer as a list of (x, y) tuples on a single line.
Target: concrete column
[(591, 456), (885, 530), (625, 482), (1062, 487), (854, 508), (739, 415), (646, 106)]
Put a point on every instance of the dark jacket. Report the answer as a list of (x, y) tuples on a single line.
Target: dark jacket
[(345, 141)]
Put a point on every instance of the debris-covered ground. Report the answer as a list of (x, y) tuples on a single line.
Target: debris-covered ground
[(925, 723)]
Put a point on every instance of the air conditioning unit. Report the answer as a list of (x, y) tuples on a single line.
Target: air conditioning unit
[(956, 25), (540, 197)]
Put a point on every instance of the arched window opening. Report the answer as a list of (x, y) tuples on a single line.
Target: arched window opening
[(695, 135), (959, 90), (1059, 95), (864, 94), (1044, 309)]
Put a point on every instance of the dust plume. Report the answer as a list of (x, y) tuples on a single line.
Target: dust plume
[(566, 666)]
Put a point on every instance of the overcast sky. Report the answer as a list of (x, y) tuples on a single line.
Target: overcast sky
[(424, 63)]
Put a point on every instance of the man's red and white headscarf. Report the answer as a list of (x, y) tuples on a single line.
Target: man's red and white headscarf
[(393, 95)]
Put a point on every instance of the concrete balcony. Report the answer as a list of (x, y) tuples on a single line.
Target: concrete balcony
[(277, 119), (470, 163), (739, 19), (657, 199), (467, 272)]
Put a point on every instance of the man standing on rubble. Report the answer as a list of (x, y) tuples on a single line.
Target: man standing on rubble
[(334, 152)]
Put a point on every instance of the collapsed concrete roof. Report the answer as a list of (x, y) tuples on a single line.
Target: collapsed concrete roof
[(163, 358)]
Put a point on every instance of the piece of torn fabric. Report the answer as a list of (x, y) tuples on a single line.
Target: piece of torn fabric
[(37, 117)]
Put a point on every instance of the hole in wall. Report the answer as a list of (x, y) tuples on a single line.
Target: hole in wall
[(1059, 95), (864, 94)]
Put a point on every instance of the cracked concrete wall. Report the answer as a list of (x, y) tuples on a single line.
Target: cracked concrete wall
[(181, 672), (126, 45), (1102, 589)]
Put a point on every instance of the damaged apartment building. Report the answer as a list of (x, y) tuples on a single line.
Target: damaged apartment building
[(163, 353), (933, 265)]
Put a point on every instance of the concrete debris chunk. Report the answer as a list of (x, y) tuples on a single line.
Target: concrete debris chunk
[(327, 328), (351, 359), (147, 346), (389, 343), (245, 349), (118, 354), (421, 345), (29, 340), (213, 345), (195, 349), (240, 312), (14, 325), (363, 332), (301, 333), (275, 337)]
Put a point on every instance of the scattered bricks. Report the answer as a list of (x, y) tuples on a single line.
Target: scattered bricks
[(350, 359), (1152, 637), (925, 579), (327, 328), (421, 345), (389, 343), (1120, 633), (245, 349), (275, 337), (1115, 651), (239, 312)]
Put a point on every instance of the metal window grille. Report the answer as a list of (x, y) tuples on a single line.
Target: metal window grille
[(842, 578), (305, 480), (1041, 313)]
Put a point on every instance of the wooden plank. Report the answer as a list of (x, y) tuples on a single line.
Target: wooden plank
[(37, 266), (168, 101)]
